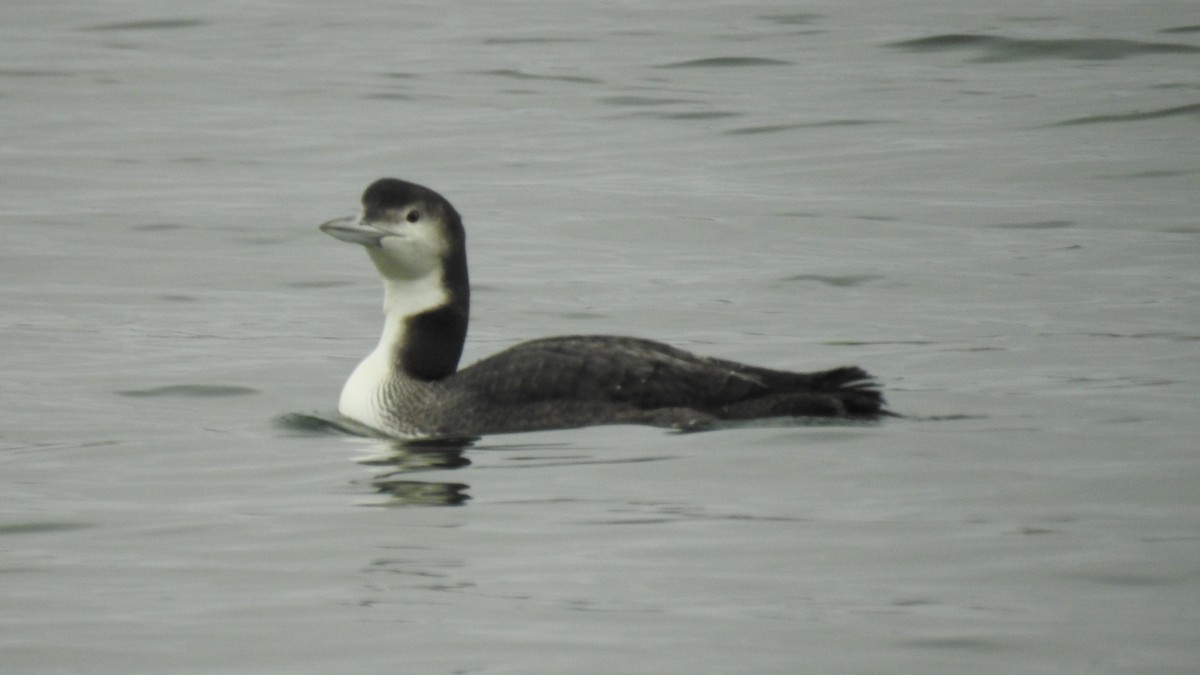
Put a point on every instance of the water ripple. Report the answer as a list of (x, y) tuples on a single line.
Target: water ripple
[(190, 390), (34, 72), (999, 49), (726, 62), (522, 75), (152, 24), (41, 527), (641, 101), (792, 19), (1192, 109), (774, 128), (1037, 225), (837, 281)]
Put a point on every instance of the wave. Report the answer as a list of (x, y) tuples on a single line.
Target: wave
[(999, 49)]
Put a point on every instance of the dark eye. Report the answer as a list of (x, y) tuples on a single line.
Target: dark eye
[(413, 216)]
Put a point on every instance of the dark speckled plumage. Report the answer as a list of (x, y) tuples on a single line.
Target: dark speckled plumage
[(576, 380)]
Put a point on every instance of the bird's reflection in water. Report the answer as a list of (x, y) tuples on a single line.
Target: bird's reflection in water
[(400, 459)]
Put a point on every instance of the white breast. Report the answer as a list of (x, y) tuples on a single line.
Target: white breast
[(362, 396)]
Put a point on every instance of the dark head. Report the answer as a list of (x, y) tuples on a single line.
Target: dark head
[(408, 230), (416, 240)]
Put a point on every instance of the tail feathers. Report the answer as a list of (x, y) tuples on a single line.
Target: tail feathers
[(840, 392), (842, 379)]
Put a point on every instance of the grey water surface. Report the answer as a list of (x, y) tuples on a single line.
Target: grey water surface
[(993, 207)]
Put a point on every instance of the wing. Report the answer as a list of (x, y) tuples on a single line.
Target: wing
[(639, 373)]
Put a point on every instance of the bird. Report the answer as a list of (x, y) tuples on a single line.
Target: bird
[(410, 385)]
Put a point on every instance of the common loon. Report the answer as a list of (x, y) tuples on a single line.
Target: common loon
[(410, 385)]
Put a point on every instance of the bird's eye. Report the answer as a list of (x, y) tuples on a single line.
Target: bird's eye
[(413, 216)]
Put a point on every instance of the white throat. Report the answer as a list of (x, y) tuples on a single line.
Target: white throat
[(362, 396)]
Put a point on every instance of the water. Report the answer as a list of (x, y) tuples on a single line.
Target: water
[(993, 208)]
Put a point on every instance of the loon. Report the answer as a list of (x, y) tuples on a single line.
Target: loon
[(410, 385)]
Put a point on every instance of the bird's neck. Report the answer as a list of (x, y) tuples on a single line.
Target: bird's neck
[(424, 329)]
